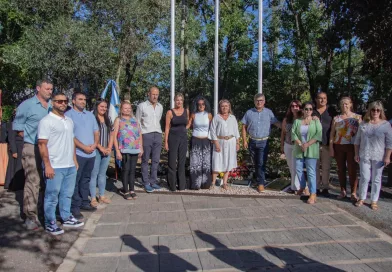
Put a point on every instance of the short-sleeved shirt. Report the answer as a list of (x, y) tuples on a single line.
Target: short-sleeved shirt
[(149, 117), (222, 127), (85, 125), (326, 121), (59, 133), (28, 115), (345, 129), (259, 122)]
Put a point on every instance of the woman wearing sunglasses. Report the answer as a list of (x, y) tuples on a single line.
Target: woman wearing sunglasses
[(341, 146), (306, 133), (373, 146)]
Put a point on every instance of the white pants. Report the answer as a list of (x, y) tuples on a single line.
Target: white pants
[(288, 152), (370, 170)]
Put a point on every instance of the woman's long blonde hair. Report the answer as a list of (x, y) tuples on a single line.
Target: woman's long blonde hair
[(375, 105)]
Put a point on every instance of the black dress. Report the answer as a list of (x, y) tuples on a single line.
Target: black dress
[(15, 178)]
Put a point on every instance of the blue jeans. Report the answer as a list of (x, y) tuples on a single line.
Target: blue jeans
[(99, 174), (311, 165), (59, 190), (259, 152)]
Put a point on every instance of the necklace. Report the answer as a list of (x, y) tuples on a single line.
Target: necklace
[(306, 121)]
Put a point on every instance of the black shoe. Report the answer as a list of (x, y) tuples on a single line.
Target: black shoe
[(88, 208), (78, 216), (325, 193), (318, 192)]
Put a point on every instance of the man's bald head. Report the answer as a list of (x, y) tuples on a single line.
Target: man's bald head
[(153, 95)]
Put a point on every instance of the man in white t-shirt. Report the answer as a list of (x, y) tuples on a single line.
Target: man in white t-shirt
[(57, 149)]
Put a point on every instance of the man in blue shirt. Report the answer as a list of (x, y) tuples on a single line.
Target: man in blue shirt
[(257, 123), (86, 140), (28, 115)]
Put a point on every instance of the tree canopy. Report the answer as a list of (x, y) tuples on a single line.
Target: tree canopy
[(340, 47)]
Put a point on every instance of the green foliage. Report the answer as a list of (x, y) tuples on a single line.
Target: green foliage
[(7, 113)]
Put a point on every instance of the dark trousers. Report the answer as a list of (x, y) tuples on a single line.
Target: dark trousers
[(389, 184), (128, 171), (178, 145), (344, 153), (152, 145), (259, 153), (82, 184)]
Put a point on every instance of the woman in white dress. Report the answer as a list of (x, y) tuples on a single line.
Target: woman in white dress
[(225, 137)]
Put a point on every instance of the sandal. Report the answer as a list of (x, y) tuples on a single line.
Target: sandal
[(342, 195), (359, 203), (133, 195), (374, 206), (127, 196), (212, 187), (225, 187), (354, 198), (306, 192), (300, 192)]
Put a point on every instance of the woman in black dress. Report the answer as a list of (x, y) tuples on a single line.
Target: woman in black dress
[(15, 177)]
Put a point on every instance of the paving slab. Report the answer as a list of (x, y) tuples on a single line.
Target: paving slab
[(176, 242), (93, 264), (200, 233), (138, 263), (381, 266), (139, 244), (179, 262), (107, 245)]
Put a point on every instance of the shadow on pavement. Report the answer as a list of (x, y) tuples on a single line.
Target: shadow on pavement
[(163, 258), (23, 250), (265, 258)]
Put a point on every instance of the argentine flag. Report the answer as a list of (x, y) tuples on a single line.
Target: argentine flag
[(114, 106), (114, 100)]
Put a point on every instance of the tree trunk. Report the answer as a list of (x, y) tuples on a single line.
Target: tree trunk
[(328, 71), (118, 74)]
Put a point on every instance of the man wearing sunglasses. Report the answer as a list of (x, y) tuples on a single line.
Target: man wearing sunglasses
[(257, 123), (325, 114), (28, 115), (86, 133), (57, 149)]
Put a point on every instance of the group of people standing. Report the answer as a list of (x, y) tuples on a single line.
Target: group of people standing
[(72, 148), (311, 135)]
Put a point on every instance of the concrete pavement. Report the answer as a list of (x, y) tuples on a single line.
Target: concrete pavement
[(201, 233)]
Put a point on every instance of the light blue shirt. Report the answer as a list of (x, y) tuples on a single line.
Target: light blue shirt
[(28, 115), (85, 125), (259, 123)]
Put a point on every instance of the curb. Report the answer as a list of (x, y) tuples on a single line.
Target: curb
[(75, 252)]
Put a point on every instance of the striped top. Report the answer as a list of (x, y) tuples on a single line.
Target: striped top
[(104, 134)]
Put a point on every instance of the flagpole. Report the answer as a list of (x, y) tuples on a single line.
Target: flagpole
[(172, 54), (260, 62), (216, 58)]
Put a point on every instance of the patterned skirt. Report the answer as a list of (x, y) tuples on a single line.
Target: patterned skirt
[(200, 163)]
